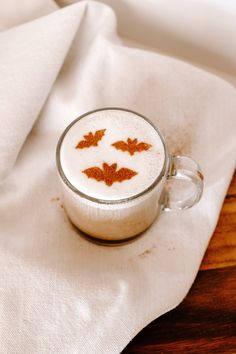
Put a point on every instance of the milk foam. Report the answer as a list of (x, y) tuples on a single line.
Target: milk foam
[(119, 125)]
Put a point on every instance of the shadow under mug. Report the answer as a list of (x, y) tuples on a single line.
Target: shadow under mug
[(115, 222)]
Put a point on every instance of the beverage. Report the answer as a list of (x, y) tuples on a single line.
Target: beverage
[(113, 165), (112, 126)]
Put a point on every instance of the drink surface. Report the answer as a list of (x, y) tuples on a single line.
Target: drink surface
[(112, 154)]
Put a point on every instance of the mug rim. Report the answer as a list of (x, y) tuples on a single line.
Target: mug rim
[(109, 201)]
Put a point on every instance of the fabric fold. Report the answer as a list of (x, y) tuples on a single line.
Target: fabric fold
[(31, 56)]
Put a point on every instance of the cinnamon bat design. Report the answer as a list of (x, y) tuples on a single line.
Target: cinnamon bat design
[(91, 139), (109, 173), (131, 145)]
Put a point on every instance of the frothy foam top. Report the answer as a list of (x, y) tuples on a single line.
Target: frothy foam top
[(98, 159)]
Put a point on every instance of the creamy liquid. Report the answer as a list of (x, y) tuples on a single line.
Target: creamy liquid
[(119, 126)]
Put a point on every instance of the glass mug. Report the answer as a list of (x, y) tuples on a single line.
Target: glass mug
[(178, 185)]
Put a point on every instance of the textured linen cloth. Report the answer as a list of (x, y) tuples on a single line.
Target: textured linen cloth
[(172, 61)]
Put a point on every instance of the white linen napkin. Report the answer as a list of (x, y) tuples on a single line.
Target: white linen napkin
[(58, 292), (31, 57)]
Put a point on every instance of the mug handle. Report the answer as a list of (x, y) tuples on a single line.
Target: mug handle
[(184, 185)]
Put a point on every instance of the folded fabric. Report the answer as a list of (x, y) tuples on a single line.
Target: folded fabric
[(31, 57), (58, 292)]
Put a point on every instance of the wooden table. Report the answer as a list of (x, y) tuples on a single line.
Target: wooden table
[(205, 322)]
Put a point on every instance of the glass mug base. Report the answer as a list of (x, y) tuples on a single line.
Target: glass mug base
[(113, 223), (111, 243), (112, 220)]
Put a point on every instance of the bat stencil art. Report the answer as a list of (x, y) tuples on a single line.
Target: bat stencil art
[(91, 139), (109, 173), (131, 146)]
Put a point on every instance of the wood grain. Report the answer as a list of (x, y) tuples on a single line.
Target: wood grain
[(222, 248), (204, 323), (206, 320)]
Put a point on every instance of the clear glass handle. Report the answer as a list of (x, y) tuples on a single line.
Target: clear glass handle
[(184, 184)]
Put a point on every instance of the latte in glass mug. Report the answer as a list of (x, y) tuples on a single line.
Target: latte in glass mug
[(115, 169)]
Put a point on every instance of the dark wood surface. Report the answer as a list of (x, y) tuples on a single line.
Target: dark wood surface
[(205, 322)]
